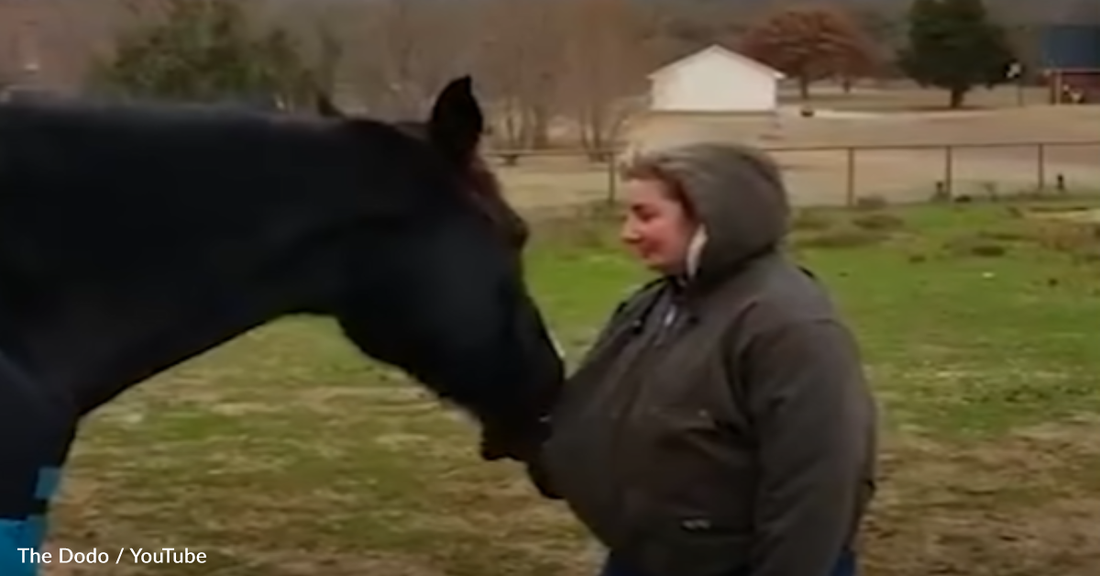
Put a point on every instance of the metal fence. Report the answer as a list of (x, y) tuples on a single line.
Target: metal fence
[(838, 175)]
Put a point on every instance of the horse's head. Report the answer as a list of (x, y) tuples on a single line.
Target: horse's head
[(450, 305)]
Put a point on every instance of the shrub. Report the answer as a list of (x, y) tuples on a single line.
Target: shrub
[(873, 202), (1056, 208), (847, 237), (583, 226), (1004, 235), (988, 250), (1088, 257), (810, 220), (1071, 237), (878, 221), (975, 246)]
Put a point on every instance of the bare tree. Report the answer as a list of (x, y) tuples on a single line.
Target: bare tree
[(518, 56), (315, 28), (604, 66), (403, 52), (58, 36)]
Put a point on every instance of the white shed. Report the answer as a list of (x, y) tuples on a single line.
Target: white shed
[(715, 79)]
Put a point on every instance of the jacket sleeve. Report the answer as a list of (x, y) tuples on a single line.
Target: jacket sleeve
[(814, 423)]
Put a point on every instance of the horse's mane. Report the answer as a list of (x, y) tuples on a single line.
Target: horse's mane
[(485, 190)]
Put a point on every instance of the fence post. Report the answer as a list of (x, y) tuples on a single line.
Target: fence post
[(949, 170), (612, 179), (851, 189), (1041, 168)]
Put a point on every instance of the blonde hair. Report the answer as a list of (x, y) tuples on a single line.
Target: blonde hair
[(642, 167)]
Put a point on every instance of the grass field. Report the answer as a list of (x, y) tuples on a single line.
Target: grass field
[(283, 453)]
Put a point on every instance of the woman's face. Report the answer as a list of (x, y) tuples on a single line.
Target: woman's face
[(657, 228)]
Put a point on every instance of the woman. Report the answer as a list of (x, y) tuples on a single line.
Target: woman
[(721, 424)]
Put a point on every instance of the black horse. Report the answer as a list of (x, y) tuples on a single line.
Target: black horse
[(133, 238)]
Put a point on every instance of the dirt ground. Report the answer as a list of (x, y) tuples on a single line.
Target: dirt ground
[(870, 120), (1011, 163), (901, 95)]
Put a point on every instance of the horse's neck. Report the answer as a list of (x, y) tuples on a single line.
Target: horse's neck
[(111, 329), (113, 270), (95, 349)]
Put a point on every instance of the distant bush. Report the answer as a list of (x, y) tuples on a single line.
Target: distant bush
[(585, 226), (1004, 235), (846, 237), (872, 202), (809, 220), (976, 245), (878, 221), (1070, 237)]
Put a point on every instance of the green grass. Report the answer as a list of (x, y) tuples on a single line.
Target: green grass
[(285, 453)]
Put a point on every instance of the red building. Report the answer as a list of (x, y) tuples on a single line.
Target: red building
[(1071, 63)]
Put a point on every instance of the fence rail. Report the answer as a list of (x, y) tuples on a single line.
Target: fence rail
[(916, 172)]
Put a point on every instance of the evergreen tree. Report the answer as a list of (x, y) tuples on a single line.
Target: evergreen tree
[(955, 45), (204, 51)]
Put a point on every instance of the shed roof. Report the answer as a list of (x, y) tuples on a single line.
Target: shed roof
[(717, 49)]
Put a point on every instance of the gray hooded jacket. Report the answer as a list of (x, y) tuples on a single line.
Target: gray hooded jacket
[(721, 424)]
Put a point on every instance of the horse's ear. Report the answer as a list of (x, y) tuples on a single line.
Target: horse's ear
[(456, 123), (325, 107)]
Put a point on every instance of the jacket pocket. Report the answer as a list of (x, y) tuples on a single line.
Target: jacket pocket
[(689, 495), (686, 544), (691, 465)]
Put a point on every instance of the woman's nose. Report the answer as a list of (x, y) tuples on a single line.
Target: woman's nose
[(628, 233)]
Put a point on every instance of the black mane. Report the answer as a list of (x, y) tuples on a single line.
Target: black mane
[(123, 195)]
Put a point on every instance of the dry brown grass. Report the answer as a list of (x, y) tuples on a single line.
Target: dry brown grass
[(1016, 507)]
